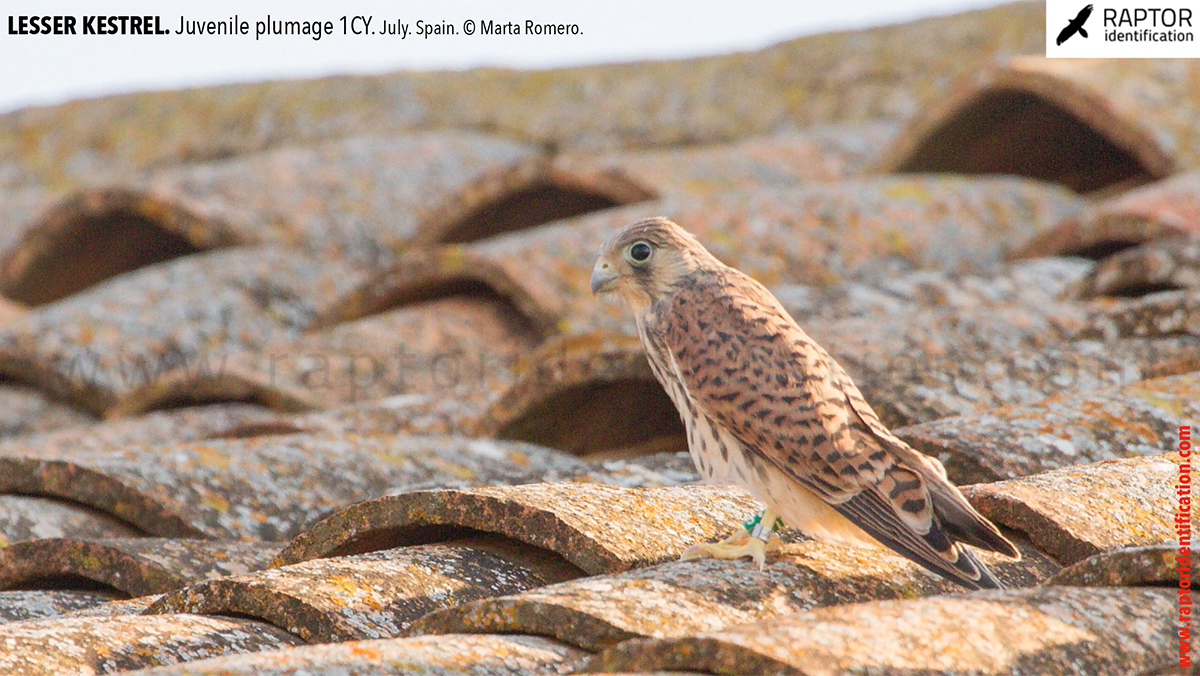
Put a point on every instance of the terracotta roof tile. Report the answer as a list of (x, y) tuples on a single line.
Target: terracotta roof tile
[(1153, 565), (1041, 630), (26, 410), (435, 656), (853, 76), (107, 644), (262, 487), (1089, 124), (1076, 512), (1138, 419), (134, 567), (20, 606), (24, 517), (372, 595), (96, 347), (784, 159), (1161, 264), (1165, 209), (600, 529), (686, 597)]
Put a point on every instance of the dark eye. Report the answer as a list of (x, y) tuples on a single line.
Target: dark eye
[(639, 252)]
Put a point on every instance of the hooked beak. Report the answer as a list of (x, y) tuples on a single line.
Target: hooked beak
[(604, 275)]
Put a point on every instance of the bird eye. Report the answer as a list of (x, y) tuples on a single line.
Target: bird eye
[(639, 252)]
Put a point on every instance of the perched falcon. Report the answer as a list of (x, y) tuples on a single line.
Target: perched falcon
[(768, 409)]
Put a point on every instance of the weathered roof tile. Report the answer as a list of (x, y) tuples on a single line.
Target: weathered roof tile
[(20, 606), (135, 567), (685, 597), (599, 528), (1170, 263), (60, 646), (96, 347), (372, 595), (1076, 512), (880, 73), (436, 656), (1162, 210), (1122, 422), (1044, 630), (265, 487), (1153, 565), (24, 517), (1086, 123)]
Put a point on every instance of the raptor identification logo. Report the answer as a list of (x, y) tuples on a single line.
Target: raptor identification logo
[(1122, 29)]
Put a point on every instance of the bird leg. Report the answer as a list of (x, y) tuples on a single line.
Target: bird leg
[(753, 540)]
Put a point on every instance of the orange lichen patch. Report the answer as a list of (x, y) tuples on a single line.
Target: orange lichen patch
[(524, 195), (1088, 125), (97, 234)]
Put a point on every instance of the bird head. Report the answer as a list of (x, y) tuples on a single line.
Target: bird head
[(643, 261)]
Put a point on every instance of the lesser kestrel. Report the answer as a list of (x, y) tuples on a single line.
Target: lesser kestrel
[(768, 409)]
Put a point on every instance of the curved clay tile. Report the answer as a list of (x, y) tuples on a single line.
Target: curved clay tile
[(118, 607), (1159, 265), (600, 529), (459, 655), (459, 341), (1158, 315), (1076, 512), (1150, 566), (686, 597), (265, 488), (1162, 210), (25, 410), (98, 645), (24, 517), (176, 425), (1046, 630), (373, 595), (590, 395), (819, 234), (432, 274), (10, 311), (361, 200), (96, 346), (1086, 427), (848, 76), (19, 206), (1087, 124), (22, 606), (133, 567), (783, 160), (523, 195), (97, 234)]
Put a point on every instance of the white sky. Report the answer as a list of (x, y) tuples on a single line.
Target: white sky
[(40, 69)]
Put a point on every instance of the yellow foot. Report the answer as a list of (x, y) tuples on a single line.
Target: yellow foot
[(733, 547)]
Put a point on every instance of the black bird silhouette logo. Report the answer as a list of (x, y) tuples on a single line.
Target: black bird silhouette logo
[(1075, 26)]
